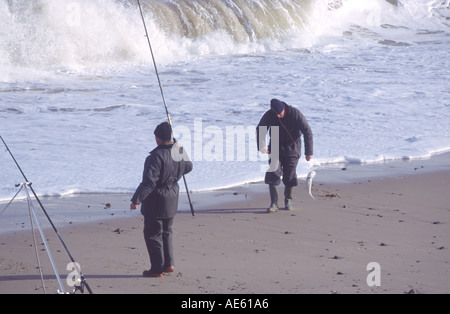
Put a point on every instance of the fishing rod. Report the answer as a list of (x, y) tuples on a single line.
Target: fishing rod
[(29, 184), (163, 97)]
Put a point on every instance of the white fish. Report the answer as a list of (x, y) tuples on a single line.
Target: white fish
[(309, 181)]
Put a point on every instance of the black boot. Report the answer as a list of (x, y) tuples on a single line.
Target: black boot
[(273, 199), (288, 196)]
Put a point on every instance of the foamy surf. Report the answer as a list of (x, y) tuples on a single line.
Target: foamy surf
[(84, 34)]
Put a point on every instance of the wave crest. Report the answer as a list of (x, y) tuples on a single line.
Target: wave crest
[(79, 34)]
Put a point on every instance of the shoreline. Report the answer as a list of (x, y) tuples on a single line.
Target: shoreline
[(88, 208), (329, 173), (385, 169), (233, 246)]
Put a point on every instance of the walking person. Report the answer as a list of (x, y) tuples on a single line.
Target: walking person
[(291, 124), (159, 193)]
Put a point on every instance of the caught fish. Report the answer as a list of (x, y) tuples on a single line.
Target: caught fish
[(309, 181)]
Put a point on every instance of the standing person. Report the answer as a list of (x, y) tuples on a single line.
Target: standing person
[(158, 193), (292, 125)]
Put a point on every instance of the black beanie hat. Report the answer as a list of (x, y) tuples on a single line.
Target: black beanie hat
[(164, 131), (277, 105)]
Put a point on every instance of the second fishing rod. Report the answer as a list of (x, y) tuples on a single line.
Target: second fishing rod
[(28, 184), (163, 97)]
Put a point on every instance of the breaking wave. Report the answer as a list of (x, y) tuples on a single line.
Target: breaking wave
[(80, 34)]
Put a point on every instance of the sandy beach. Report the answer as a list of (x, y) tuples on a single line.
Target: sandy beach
[(233, 246)]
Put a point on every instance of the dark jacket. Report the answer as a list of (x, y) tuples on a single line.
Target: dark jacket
[(291, 127), (158, 193)]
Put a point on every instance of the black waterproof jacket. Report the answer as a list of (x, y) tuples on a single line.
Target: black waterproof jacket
[(159, 191), (291, 127)]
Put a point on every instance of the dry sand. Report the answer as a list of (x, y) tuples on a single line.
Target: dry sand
[(233, 247)]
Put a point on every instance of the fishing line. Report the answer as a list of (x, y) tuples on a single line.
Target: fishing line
[(163, 97)]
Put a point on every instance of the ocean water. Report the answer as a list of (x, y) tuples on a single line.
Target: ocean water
[(79, 98)]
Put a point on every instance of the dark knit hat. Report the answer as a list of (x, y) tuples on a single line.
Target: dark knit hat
[(277, 105), (164, 131)]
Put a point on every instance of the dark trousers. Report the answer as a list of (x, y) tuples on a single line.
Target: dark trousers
[(158, 238), (288, 169)]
